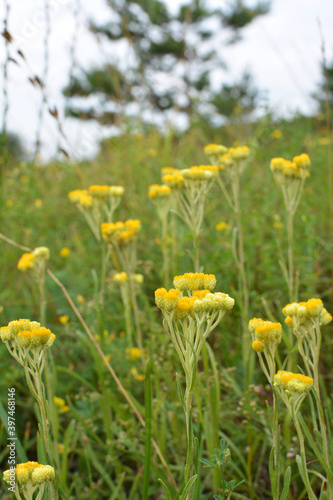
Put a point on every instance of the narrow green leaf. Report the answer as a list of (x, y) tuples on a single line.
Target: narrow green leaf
[(188, 487), (286, 485), (166, 490)]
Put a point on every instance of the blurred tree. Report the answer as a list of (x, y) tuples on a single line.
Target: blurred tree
[(163, 61), (325, 91)]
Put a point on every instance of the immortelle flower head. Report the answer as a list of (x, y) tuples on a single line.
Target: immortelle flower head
[(190, 318), (302, 315), (214, 152), (30, 472), (97, 203), (24, 336), (265, 334), (293, 382)]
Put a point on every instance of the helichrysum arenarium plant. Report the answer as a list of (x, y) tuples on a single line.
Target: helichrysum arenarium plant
[(97, 204), (191, 312), (164, 202), (290, 176), (35, 262), (28, 479), (121, 238), (27, 341), (305, 319), (189, 188), (231, 163), (122, 279)]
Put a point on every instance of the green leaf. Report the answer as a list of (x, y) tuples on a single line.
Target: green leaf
[(188, 487), (166, 490), (286, 485)]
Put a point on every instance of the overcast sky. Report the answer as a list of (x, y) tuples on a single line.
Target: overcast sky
[(282, 50)]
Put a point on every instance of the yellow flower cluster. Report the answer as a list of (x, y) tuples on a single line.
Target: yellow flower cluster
[(85, 197), (222, 226), (134, 353), (200, 173), (174, 180), (97, 191), (195, 281), (215, 150), (31, 260), (169, 170), (122, 277), (301, 313), (293, 382), (26, 262), (41, 253), (119, 232), (30, 472), (159, 191), (81, 197), (201, 302), (61, 404), (296, 169), (27, 334), (266, 334)]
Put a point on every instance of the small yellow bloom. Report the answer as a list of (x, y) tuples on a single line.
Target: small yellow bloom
[(134, 353), (222, 226), (61, 404), (258, 346), (26, 262), (277, 225), (24, 179), (64, 319), (136, 375), (38, 202), (9, 203), (277, 134), (107, 357), (80, 299), (65, 252), (61, 448), (324, 141)]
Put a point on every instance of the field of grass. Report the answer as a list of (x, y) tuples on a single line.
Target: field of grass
[(123, 426)]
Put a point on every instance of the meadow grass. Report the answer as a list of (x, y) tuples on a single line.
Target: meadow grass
[(100, 447)]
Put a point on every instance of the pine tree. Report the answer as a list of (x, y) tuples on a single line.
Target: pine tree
[(163, 61)]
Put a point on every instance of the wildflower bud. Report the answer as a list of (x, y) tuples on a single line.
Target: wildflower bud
[(302, 161), (74, 196), (215, 149), (97, 191), (26, 262), (41, 253), (120, 277), (160, 297), (325, 317), (5, 334), (184, 308), (116, 190), (314, 307), (277, 164), (258, 346), (293, 382), (42, 474), (288, 321), (174, 181), (138, 278)]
